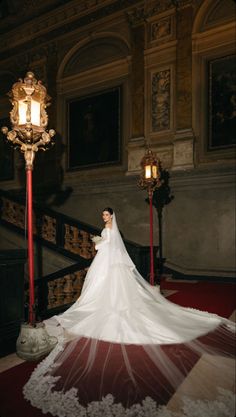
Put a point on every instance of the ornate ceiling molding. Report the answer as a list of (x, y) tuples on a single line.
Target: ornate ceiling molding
[(55, 24), (140, 14)]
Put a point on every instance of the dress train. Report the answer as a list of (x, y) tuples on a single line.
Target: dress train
[(124, 350)]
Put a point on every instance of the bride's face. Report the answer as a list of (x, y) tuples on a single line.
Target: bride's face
[(107, 217)]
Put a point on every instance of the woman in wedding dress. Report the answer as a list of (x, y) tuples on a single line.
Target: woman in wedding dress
[(123, 349)]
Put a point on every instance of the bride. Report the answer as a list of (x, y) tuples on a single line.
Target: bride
[(123, 349)]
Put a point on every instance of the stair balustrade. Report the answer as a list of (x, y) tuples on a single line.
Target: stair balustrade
[(68, 237)]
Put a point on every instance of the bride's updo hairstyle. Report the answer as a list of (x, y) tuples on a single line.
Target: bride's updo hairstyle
[(109, 209)]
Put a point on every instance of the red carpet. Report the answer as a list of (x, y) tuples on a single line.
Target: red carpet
[(150, 381), (213, 297), (12, 403)]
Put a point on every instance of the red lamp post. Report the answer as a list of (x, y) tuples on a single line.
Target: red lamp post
[(149, 180), (29, 120)]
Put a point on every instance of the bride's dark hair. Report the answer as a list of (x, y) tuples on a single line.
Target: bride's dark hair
[(109, 209)]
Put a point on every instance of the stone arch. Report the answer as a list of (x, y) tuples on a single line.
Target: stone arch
[(212, 13), (94, 51)]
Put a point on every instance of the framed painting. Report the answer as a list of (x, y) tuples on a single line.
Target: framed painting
[(94, 130), (222, 102), (6, 154)]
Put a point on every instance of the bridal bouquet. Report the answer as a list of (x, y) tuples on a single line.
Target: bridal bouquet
[(96, 239)]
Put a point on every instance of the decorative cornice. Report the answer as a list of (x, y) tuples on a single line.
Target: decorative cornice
[(161, 6), (136, 16), (20, 63), (207, 177), (181, 4), (210, 272), (53, 25), (141, 14)]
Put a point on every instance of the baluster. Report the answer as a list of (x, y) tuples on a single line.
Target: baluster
[(51, 295), (67, 244), (78, 282), (68, 289), (92, 246), (86, 245), (75, 239), (49, 229), (59, 292)]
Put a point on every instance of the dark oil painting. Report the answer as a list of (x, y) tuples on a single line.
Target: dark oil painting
[(94, 126), (222, 102)]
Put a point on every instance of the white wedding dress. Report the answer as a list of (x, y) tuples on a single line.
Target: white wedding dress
[(119, 310)]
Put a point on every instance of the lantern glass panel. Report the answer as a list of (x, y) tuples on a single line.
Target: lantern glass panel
[(148, 172), (35, 113), (22, 106), (154, 171)]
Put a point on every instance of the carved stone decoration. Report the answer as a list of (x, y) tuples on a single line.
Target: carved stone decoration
[(161, 29), (136, 16), (158, 6), (49, 228), (160, 114), (181, 4), (140, 14)]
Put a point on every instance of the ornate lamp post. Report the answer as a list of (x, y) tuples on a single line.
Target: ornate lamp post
[(29, 120), (150, 180)]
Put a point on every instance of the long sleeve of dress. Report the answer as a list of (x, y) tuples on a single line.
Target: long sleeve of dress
[(106, 236)]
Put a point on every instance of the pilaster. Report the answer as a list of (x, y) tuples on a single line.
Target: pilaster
[(183, 151)]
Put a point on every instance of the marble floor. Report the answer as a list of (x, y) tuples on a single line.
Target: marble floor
[(9, 361)]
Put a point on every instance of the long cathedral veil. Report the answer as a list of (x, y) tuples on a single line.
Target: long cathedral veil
[(125, 363), (118, 252)]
